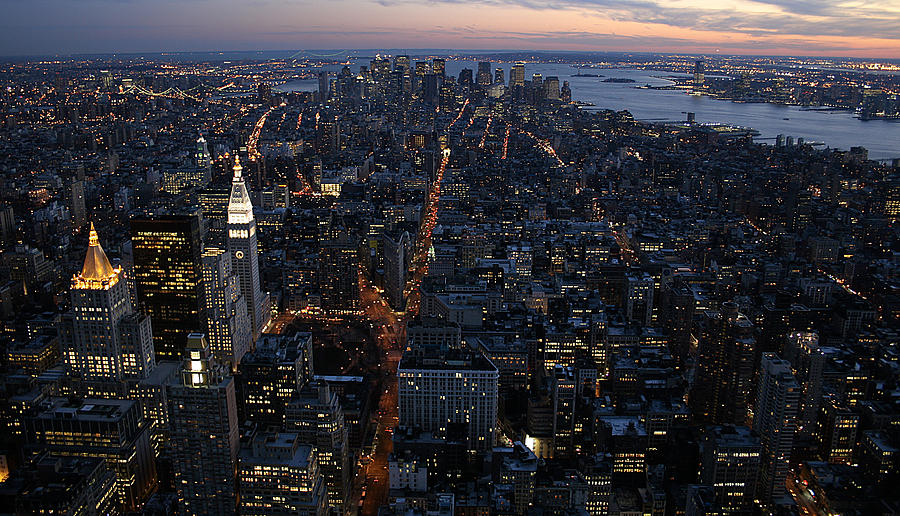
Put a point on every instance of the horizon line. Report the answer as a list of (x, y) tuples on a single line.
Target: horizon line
[(451, 50)]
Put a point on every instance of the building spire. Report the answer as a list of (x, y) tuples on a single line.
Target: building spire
[(96, 265), (237, 168), (93, 240)]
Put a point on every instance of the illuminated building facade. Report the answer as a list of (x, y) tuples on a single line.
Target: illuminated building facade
[(241, 239), (317, 417), (730, 464), (517, 75), (338, 273), (443, 393), (54, 484), (721, 392), (278, 475), (808, 363), (837, 433), (102, 337), (113, 430), (273, 373), (227, 320), (204, 433), (168, 275), (775, 421)]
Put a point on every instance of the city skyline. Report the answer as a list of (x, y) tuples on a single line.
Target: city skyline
[(448, 283), (751, 27)]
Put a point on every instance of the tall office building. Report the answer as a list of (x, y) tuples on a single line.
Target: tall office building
[(214, 205), (699, 73), (721, 391), (102, 338), (323, 86), (271, 375), (396, 250), (279, 475), (339, 270), (453, 395), (317, 417), (54, 484), (730, 464), (498, 76), (465, 79), (168, 273), (227, 322), (639, 298), (241, 237), (8, 230), (551, 88), (483, 76), (423, 68), (202, 158), (113, 430), (837, 432), (808, 363), (431, 88), (565, 396), (517, 75), (439, 67), (775, 421), (75, 198), (204, 432), (401, 63)]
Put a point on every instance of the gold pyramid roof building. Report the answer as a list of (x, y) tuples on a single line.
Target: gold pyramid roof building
[(96, 272)]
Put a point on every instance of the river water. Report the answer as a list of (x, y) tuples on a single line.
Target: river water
[(837, 129)]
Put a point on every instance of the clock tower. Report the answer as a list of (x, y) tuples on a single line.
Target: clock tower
[(241, 241)]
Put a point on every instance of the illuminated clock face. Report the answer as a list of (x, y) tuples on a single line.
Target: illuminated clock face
[(239, 254)]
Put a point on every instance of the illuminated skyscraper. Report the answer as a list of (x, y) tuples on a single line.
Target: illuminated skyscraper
[(452, 395), (339, 269), (775, 421), (551, 88), (204, 432), (202, 157), (241, 237), (699, 73), (721, 392), (102, 337), (168, 274), (517, 75), (483, 76), (112, 430), (279, 475), (227, 321), (271, 375), (498, 76), (422, 68), (323, 86), (438, 67), (316, 415), (401, 63), (731, 457)]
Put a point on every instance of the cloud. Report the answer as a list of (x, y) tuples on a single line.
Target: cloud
[(808, 26), (753, 17)]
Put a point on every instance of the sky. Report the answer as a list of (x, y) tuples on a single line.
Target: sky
[(860, 28)]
